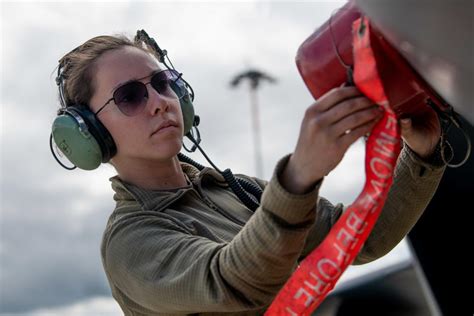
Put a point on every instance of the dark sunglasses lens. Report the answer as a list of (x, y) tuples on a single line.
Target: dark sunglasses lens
[(161, 83), (131, 98), (167, 84)]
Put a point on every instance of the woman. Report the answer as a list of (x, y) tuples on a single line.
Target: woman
[(179, 240)]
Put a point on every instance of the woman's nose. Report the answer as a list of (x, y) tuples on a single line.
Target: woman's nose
[(156, 102)]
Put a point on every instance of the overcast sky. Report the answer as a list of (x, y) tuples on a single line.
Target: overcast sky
[(52, 219)]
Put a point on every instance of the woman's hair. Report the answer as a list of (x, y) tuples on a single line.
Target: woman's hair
[(78, 67)]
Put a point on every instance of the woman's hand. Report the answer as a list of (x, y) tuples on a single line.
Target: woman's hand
[(329, 127), (421, 133)]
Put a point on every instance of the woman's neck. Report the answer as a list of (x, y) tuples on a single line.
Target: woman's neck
[(152, 175)]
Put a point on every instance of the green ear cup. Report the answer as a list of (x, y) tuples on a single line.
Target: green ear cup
[(187, 109), (76, 142), (186, 103)]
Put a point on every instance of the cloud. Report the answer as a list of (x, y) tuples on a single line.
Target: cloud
[(50, 244)]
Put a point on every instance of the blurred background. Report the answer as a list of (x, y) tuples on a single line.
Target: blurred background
[(52, 220)]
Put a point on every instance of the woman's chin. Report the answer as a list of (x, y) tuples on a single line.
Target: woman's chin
[(167, 151)]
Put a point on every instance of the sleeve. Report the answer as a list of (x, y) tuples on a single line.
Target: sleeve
[(415, 182), (163, 268)]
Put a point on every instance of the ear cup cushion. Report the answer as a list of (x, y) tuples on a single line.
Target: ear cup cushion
[(98, 130)]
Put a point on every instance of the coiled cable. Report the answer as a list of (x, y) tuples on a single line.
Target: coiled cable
[(247, 192)]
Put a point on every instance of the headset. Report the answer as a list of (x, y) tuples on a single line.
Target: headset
[(84, 140)]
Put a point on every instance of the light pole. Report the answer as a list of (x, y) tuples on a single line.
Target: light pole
[(254, 77)]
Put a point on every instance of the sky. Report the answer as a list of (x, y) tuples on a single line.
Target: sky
[(51, 219)]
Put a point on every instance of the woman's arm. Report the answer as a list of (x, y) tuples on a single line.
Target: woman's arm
[(415, 182), (416, 179)]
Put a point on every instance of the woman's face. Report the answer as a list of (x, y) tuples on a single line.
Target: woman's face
[(136, 137)]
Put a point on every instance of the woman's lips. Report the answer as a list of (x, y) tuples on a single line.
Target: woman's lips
[(165, 126)]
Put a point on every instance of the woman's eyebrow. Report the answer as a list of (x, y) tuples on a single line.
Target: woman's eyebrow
[(133, 80)]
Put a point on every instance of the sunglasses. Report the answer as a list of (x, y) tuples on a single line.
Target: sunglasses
[(131, 98)]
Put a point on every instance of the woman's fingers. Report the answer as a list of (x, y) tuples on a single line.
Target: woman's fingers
[(421, 134), (356, 119), (324, 139), (334, 97), (350, 136), (348, 107)]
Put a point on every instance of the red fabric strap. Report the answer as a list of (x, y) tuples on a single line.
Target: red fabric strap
[(319, 272)]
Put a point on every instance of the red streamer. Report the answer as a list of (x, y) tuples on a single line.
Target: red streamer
[(319, 272)]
